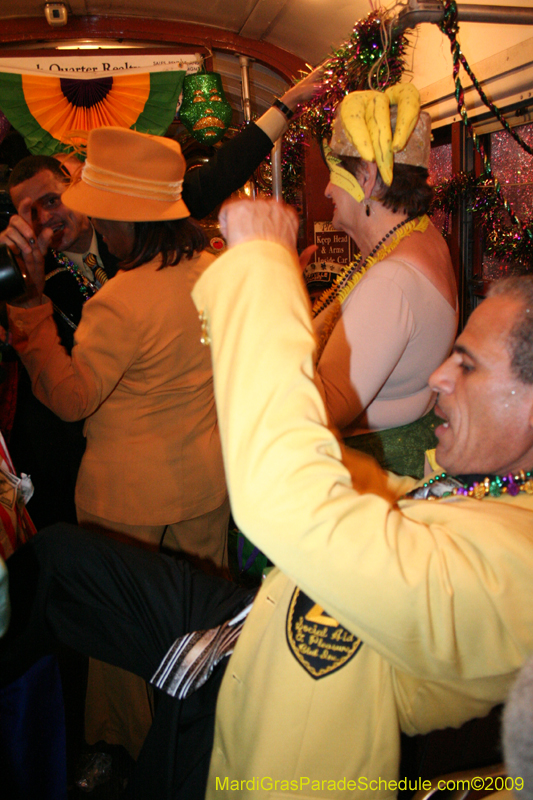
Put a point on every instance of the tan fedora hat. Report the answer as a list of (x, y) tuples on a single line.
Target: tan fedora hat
[(130, 177)]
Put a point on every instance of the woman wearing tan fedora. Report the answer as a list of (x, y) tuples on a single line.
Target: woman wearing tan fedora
[(138, 374)]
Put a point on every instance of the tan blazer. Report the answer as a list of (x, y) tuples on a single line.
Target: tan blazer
[(141, 378)]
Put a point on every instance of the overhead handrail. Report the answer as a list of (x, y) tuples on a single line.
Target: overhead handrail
[(418, 11)]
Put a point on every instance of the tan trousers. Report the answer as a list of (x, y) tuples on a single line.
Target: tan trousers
[(119, 707)]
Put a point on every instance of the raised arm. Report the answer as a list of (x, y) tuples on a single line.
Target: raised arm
[(205, 187), (401, 576)]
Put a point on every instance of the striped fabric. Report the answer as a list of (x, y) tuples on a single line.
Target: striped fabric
[(100, 274), (191, 659)]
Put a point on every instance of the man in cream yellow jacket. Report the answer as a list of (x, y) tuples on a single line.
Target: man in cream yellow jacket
[(387, 611)]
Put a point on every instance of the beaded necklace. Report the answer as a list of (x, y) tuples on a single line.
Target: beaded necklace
[(86, 287), (350, 276), (348, 279), (444, 485)]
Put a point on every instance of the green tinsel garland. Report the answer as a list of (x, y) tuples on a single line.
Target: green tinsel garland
[(502, 239), (507, 236)]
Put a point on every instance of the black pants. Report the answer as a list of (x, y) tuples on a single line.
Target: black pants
[(126, 606)]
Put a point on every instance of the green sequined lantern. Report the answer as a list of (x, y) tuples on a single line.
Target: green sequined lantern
[(205, 112)]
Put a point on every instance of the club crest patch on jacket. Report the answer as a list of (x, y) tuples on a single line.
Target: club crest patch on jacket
[(317, 641)]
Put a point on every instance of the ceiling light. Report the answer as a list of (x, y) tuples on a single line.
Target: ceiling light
[(98, 44)]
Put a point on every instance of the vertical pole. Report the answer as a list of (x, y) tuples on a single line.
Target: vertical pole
[(249, 186), (461, 246), (244, 61), (276, 170)]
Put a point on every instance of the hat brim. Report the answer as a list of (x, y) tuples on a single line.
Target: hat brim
[(103, 204)]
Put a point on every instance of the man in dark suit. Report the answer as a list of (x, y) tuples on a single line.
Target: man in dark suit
[(42, 445)]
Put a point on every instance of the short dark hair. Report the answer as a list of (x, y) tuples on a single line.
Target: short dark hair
[(31, 165), (409, 191), (173, 239), (519, 288)]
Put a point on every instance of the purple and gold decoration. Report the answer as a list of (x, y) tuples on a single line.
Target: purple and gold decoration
[(363, 61), (205, 111), (362, 58)]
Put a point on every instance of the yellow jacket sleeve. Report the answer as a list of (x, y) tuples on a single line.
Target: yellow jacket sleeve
[(405, 576)]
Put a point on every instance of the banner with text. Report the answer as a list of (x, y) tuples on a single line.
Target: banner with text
[(98, 66)]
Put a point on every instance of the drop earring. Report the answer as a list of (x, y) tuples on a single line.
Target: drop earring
[(367, 210)]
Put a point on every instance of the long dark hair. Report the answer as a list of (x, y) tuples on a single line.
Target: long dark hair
[(173, 239), (409, 191)]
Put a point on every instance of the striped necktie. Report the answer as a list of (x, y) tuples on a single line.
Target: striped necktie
[(192, 658), (91, 261)]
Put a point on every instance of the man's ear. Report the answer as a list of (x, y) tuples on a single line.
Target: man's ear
[(531, 411), (528, 438), (528, 408)]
